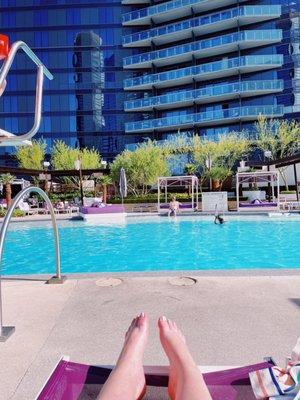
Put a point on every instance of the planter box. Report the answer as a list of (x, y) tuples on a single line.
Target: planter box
[(214, 201), (288, 197)]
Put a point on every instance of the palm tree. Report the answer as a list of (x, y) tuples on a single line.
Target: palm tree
[(7, 180), (104, 181)]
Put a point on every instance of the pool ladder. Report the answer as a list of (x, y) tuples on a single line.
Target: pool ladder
[(6, 331), (9, 138)]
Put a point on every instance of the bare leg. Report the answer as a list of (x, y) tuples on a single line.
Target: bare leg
[(185, 379), (127, 380)]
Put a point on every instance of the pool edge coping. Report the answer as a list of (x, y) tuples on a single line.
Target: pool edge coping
[(163, 274)]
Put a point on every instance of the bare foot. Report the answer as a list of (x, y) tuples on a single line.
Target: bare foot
[(131, 356), (174, 344), (185, 379), (127, 380)]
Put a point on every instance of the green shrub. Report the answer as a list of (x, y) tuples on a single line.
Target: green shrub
[(288, 192), (151, 198), (16, 213)]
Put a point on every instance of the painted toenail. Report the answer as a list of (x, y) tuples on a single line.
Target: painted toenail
[(163, 318)]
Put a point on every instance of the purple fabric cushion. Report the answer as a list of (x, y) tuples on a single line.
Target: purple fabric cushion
[(108, 209), (181, 206), (73, 381), (261, 204)]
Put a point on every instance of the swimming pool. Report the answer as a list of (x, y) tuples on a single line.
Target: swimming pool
[(153, 244)]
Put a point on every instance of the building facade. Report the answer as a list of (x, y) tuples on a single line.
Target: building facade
[(128, 70), (210, 66), (80, 41)]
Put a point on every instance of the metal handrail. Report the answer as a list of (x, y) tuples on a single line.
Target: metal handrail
[(5, 136), (3, 232)]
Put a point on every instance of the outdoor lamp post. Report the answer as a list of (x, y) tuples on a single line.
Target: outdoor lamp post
[(208, 163), (77, 165), (46, 166), (104, 164), (268, 155)]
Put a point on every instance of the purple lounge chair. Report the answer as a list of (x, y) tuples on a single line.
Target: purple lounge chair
[(258, 205), (184, 207), (73, 381), (108, 209)]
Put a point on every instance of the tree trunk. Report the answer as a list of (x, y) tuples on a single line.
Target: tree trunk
[(104, 187), (216, 184), (282, 174), (8, 194)]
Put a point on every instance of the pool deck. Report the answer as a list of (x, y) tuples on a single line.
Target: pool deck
[(231, 319)]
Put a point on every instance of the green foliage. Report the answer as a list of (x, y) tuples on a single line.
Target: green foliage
[(219, 173), (31, 157), (282, 137), (7, 179), (225, 152), (16, 213), (178, 145), (19, 213), (288, 192), (90, 159), (63, 157), (190, 169), (104, 180), (142, 166), (151, 198), (216, 159)]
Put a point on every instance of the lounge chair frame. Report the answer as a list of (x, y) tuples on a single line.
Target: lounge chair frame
[(155, 376), (267, 177), (165, 182)]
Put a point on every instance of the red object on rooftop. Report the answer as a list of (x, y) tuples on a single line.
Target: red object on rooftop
[(4, 46)]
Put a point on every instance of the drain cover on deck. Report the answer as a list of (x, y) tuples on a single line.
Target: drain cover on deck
[(109, 282), (182, 281)]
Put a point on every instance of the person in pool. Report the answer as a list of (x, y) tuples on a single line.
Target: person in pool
[(173, 207), (219, 220), (127, 380)]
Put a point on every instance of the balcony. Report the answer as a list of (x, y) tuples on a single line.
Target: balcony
[(129, 2), (209, 94), (213, 70), (204, 119), (171, 10), (204, 48), (216, 22)]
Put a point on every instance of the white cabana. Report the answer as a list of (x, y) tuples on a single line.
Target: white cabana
[(269, 178), (166, 182)]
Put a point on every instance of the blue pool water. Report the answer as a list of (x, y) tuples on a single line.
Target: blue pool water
[(155, 244)]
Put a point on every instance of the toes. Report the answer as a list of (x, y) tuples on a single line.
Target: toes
[(171, 324), (163, 323), (142, 320)]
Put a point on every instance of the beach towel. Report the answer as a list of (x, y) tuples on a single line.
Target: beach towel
[(277, 383)]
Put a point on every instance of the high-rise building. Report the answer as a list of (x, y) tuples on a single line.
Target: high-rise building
[(128, 70), (210, 66), (80, 41)]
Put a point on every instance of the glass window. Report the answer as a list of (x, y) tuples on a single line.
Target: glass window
[(73, 16)]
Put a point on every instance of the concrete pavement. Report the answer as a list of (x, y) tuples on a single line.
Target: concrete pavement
[(228, 320)]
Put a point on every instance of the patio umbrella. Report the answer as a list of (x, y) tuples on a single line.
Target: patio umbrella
[(123, 184)]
